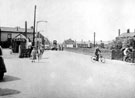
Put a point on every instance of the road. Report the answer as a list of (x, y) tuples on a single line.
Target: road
[(62, 74)]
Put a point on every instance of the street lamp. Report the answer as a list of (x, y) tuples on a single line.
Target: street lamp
[(39, 22), (34, 25), (37, 28)]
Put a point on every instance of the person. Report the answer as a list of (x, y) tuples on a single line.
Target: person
[(39, 53), (97, 53), (2, 65), (127, 51), (33, 54)]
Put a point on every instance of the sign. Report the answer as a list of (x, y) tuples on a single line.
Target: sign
[(38, 39)]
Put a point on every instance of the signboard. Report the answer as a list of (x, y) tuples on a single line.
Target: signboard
[(38, 39)]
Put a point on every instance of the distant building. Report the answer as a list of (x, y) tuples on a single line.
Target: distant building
[(125, 35), (78, 44), (84, 44), (69, 43)]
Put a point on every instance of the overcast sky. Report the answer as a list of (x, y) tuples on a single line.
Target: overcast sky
[(76, 19)]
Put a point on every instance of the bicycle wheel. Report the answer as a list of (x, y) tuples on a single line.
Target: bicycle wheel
[(129, 60), (93, 59), (102, 60)]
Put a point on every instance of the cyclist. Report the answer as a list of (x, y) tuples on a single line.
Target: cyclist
[(97, 53), (127, 53)]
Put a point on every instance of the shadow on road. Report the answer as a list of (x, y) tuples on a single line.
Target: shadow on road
[(40, 62), (46, 58), (6, 91), (8, 78)]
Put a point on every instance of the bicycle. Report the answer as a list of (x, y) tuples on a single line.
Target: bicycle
[(129, 58), (101, 59)]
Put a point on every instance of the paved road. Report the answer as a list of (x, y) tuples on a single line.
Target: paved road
[(62, 74)]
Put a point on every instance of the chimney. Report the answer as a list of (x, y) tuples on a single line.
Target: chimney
[(128, 30), (25, 33), (119, 32)]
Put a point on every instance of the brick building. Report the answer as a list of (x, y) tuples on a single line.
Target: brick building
[(8, 33)]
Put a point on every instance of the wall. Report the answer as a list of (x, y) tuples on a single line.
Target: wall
[(117, 55), (5, 34)]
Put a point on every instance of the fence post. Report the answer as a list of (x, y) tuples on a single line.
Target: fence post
[(133, 55), (112, 54)]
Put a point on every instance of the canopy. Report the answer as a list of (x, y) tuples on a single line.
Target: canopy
[(20, 37)]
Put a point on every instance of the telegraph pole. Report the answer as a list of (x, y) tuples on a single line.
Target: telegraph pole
[(25, 29), (34, 25), (94, 38)]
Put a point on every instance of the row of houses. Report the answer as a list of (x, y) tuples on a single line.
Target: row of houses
[(69, 43), (88, 44)]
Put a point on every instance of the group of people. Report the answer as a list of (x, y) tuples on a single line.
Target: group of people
[(37, 53), (127, 51)]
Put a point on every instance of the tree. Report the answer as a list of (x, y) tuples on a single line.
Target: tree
[(129, 42), (102, 44), (116, 44)]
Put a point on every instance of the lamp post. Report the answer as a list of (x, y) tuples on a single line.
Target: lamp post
[(34, 25), (94, 38), (37, 28), (39, 22)]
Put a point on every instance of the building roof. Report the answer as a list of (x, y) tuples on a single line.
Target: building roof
[(131, 34), (16, 29), (20, 36), (69, 41)]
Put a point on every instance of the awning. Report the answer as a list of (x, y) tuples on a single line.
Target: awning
[(20, 37)]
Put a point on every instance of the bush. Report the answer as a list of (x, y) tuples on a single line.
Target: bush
[(116, 44), (129, 42)]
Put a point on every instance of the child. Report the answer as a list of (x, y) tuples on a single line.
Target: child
[(33, 54)]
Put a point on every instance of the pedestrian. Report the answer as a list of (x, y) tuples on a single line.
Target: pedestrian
[(33, 54), (41, 51), (2, 65)]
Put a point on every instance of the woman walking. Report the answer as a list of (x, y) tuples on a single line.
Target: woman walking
[(2, 65), (33, 54)]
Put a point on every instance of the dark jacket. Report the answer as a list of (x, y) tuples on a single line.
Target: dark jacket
[(2, 64), (97, 51)]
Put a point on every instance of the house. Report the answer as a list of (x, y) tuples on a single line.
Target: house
[(78, 44), (125, 35), (8, 33), (11, 32), (83, 44), (69, 43)]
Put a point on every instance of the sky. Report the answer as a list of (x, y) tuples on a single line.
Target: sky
[(75, 19)]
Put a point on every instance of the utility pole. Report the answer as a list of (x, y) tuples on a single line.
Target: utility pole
[(118, 32), (94, 38), (34, 25), (25, 29)]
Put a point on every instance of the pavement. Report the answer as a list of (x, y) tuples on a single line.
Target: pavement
[(62, 74)]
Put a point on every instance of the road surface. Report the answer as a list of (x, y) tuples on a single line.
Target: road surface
[(62, 74)]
